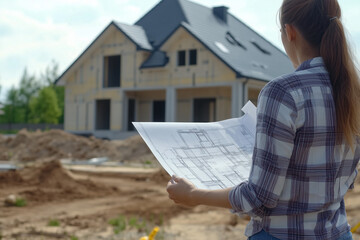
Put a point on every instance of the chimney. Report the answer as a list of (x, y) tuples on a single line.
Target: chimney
[(221, 12)]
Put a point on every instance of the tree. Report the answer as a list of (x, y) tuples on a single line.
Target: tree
[(49, 77), (1, 106), (17, 106), (12, 112), (51, 74), (28, 88), (44, 108)]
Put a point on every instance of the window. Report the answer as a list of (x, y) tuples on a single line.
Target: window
[(103, 114), (158, 111), (182, 58), (131, 114), (112, 71), (261, 49), (204, 109), (192, 57)]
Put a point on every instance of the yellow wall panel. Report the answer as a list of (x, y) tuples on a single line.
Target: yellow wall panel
[(116, 115), (81, 116), (70, 116), (144, 111), (184, 110), (84, 83)]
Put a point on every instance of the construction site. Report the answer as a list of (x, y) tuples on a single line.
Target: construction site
[(61, 186)]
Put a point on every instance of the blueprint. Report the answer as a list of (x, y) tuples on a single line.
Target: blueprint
[(211, 155)]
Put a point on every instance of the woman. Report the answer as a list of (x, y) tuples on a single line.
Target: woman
[(307, 145)]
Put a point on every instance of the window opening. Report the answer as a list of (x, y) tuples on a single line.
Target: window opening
[(103, 114), (182, 58), (192, 57), (204, 110), (159, 111), (112, 71)]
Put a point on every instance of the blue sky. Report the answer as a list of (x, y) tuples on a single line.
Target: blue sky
[(33, 33)]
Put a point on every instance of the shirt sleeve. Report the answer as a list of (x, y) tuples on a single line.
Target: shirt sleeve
[(275, 133)]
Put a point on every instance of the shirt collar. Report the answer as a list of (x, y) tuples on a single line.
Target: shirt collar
[(311, 63)]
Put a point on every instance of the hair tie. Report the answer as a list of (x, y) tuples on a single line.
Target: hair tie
[(333, 18)]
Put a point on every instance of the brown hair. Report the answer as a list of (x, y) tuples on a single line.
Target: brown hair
[(319, 21)]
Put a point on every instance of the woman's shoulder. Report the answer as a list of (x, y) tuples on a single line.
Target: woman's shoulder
[(283, 82)]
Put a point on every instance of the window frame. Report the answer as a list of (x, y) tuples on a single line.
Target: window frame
[(183, 58), (192, 58), (108, 67)]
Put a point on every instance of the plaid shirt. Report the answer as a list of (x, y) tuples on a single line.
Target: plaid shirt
[(299, 175)]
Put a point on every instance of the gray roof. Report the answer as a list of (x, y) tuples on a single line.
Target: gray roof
[(242, 49), (156, 59), (136, 34), (237, 45)]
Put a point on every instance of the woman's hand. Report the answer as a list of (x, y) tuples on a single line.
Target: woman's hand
[(181, 191)]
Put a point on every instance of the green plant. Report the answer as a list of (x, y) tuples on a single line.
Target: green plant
[(74, 238), (9, 131), (119, 224), (161, 219), (132, 221), (140, 225), (148, 162), (157, 219), (53, 223), (20, 202)]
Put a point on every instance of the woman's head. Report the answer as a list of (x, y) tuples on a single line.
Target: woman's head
[(319, 22), (311, 17)]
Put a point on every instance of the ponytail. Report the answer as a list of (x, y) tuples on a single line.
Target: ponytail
[(319, 22), (344, 79)]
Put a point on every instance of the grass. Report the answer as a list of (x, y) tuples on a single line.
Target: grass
[(119, 224), (122, 223), (9, 131), (20, 202), (139, 224), (74, 238), (53, 223)]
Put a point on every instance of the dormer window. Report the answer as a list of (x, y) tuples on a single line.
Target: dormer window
[(181, 58)]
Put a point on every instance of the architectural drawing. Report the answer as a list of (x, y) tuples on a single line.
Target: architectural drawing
[(210, 155)]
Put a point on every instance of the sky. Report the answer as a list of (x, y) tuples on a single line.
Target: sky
[(34, 33)]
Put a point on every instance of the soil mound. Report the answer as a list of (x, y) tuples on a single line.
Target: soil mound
[(50, 181), (161, 177), (10, 178), (30, 146), (132, 148)]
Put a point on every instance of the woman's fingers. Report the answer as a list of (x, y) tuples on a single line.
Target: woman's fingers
[(179, 190)]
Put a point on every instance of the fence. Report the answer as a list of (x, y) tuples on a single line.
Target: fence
[(29, 126)]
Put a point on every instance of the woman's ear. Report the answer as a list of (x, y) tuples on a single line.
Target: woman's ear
[(290, 32)]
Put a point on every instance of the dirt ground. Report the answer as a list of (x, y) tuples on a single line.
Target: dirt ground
[(90, 202)]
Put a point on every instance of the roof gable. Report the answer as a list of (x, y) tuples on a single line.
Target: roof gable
[(242, 49), (237, 45), (136, 34), (161, 20)]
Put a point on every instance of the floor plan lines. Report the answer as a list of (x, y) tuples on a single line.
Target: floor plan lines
[(211, 155)]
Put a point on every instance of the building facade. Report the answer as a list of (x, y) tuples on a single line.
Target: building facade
[(181, 62)]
